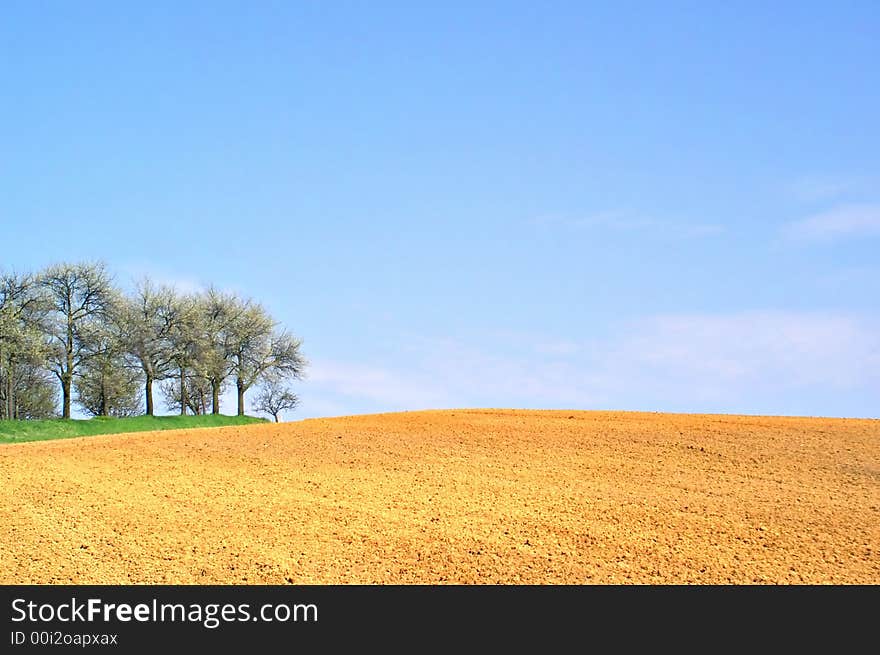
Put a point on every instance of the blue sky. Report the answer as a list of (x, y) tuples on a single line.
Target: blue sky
[(646, 206)]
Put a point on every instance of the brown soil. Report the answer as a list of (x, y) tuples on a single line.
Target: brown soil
[(482, 496)]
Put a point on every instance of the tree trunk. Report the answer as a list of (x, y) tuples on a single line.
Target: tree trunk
[(104, 411), (240, 387), (149, 392), (276, 417), (4, 380), (183, 392), (65, 392), (10, 403), (67, 378), (8, 414), (215, 397)]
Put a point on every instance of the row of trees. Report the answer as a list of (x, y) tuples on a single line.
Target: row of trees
[(69, 327)]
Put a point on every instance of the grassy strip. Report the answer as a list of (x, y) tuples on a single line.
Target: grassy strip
[(18, 431)]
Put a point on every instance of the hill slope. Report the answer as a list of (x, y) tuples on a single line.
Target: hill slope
[(467, 496), (21, 431)]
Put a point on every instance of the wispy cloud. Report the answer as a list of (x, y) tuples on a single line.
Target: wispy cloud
[(851, 220), (184, 282), (382, 385), (828, 188), (447, 373), (753, 350), (616, 220), (627, 221), (181, 282), (557, 347), (773, 362)]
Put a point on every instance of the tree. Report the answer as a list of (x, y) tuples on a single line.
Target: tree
[(258, 349), (23, 348), (34, 393), (107, 384), (218, 313), (274, 398), (184, 339), (195, 399), (150, 315), (78, 293), (104, 387)]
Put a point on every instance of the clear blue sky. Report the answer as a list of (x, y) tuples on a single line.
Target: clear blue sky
[(647, 206)]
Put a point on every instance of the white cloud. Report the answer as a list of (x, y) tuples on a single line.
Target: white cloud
[(626, 221), (615, 219), (381, 385), (181, 282), (778, 362), (815, 189), (753, 350), (483, 377), (316, 406), (557, 347), (843, 221)]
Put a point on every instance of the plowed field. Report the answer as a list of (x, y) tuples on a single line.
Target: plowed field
[(476, 496)]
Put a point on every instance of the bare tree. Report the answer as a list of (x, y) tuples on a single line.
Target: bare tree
[(105, 387), (78, 293), (151, 314), (195, 398), (218, 314), (185, 340), (274, 398), (35, 393), (23, 349), (14, 292), (258, 349), (106, 383)]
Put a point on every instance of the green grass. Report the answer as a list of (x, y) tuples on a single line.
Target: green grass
[(18, 431)]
